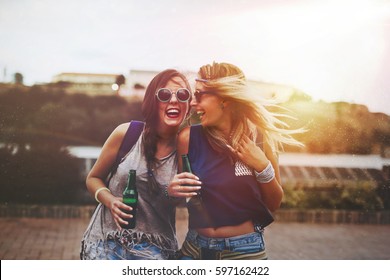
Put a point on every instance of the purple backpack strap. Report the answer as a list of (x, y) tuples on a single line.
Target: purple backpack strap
[(131, 137)]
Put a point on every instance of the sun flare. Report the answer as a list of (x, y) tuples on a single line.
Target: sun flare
[(330, 51)]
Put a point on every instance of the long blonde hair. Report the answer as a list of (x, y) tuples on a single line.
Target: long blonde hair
[(249, 113)]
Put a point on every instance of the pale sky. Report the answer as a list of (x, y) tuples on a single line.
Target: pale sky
[(331, 50)]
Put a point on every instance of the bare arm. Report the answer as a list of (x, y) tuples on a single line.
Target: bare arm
[(99, 172), (272, 192)]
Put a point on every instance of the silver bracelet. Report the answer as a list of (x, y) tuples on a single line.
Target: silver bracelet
[(98, 191), (267, 175)]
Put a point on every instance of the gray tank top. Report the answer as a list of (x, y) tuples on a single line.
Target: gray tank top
[(155, 214)]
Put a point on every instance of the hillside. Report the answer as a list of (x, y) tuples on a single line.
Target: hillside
[(338, 127), (32, 115)]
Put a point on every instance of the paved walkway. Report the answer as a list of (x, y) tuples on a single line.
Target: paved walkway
[(59, 239)]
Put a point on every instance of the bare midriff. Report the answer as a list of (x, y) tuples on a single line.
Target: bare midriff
[(227, 231)]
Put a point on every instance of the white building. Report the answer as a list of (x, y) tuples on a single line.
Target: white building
[(86, 83), (137, 81)]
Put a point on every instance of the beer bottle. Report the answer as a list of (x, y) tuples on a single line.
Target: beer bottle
[(187, 168), (130, 198), (195, 202)]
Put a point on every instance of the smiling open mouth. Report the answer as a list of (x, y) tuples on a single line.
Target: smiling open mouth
[(173, 113), (200, 113)]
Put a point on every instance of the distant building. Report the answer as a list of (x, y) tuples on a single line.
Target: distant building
[(87, 83), (137, 81), (85, 78), (103, 84), (140, 78), (319, 169)]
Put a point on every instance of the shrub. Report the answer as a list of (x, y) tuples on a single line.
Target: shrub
[(354, 196), (41, 174)]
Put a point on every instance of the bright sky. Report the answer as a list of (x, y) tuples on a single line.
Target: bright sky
[(332, 50)]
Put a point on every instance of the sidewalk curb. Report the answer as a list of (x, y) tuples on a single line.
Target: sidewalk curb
[(281, 215), (333, 216)]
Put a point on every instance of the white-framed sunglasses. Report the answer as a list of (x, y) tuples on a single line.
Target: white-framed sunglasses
[(165, 94)]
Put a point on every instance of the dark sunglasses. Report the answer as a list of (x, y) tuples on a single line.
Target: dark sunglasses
[(198, 94), (165, 94)]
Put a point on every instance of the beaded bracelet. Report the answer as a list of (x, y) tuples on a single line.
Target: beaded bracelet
[(166, 192), (98, 191), (267, 175)]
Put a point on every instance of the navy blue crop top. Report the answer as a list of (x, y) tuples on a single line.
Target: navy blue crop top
[(230, 192)]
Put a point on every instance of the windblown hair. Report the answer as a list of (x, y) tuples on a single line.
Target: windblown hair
[(248, 109), (150, 112)]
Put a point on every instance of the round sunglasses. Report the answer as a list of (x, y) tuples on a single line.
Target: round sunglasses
[(165, 94), (198, 94)]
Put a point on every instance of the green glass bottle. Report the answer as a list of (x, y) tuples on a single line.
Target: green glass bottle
[(130, 198), (187, 168), (195, 203)]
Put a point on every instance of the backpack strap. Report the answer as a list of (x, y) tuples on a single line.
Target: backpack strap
[(132, 134), (131, 137)]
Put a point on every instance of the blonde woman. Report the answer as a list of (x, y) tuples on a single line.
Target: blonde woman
[(233, 154)]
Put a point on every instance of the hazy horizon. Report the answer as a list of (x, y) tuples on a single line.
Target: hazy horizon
[(331, 50)]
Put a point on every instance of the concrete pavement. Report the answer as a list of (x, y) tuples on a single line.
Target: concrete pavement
[(59, 239)]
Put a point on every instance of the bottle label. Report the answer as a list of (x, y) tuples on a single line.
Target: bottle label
[(129, 200)]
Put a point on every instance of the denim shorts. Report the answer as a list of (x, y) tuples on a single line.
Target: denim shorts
[(246, 246), (114, 250)]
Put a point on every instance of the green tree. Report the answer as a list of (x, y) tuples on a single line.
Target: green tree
[(42, 174), (18, 78)]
